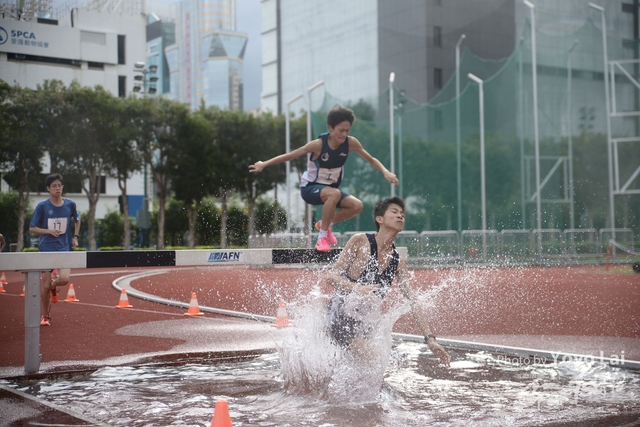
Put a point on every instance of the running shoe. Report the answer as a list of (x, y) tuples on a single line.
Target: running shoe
[(54, 274), (331, 239), (54, 295), (322, 245), (45, 321)]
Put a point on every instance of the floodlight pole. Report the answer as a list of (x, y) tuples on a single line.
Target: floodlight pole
[(612, 217), (309, 213), (534, 67), (148, 78), (392, 77), (483, 193), (288, 164), (570, 142), (523, 187), (458, 153)]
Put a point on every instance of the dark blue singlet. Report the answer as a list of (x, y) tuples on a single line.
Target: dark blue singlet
[(328, 168), (343, 328)]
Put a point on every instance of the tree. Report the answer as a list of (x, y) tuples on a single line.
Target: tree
[(124, 158), (193, 171), (208, 224), (54, 121), (262, 140), (229, 127), (22, 146), (265, 215), (9, 215), (109, 230), (363, 110), (164, 118), (176, 224), (94, 125)]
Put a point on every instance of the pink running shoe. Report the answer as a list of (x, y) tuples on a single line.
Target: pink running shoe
[(45, 321), (322, 245), (331, 239), (54, 274)]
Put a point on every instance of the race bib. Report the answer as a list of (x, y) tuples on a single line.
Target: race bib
[(58, 224), (328, 176)]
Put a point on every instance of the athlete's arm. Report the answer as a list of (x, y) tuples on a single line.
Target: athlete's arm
[(74, 241), (353, 257), (311, 147), (355, 145), (36, 219), (419, 312)]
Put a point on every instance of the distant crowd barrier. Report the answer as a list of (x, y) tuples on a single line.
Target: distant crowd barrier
[(476, 246)]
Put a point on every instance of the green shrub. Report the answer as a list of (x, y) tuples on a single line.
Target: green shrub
[(110, 229), (9, 211)]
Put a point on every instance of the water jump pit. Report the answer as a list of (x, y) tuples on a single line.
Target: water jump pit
[(479, 389)]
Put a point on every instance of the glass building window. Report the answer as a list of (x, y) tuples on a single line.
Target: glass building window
[(122, 86), (437, 36), (121, 49)]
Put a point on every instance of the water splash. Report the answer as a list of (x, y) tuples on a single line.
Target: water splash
[(313, 364)]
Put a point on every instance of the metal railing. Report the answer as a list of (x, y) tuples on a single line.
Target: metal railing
[(475, 246)]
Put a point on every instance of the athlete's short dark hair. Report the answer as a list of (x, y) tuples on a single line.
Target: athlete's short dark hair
[(338, 115), (53, 177), (381, 208)]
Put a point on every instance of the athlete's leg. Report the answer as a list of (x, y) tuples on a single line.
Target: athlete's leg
[(330, 198), (64, 276), (349, 208), (45, 293)]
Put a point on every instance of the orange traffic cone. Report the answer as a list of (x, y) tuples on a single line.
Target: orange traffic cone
[(23, 291), (194, 310), (3, 279), (124, 301), (71, 295), (282, 318), (221, 417), (2, 288)]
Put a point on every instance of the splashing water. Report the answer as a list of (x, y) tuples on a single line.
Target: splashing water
[(312, 363)]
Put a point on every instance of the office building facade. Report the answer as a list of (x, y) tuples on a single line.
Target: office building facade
[(93, 45), (354, 47), (205, 63)]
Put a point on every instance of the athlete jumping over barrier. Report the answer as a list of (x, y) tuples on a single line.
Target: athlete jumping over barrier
[(325, 170)]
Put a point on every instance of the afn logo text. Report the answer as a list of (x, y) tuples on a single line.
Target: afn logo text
[(227, 256)]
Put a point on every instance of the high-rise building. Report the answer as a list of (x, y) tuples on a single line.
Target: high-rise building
[(161, 33), (353, 47), (205, 63)]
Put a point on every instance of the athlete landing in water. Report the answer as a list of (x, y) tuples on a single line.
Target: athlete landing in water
[(367, 266)]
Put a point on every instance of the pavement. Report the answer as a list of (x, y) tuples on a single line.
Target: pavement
[(576, 311)]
